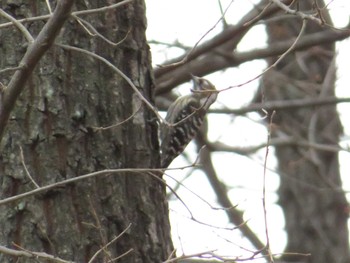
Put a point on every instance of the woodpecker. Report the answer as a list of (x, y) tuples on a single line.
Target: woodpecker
[(185, 117)]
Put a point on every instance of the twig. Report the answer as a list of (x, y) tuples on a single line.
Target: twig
[(109, 243), (93, 31), (119, 123), (48, 6), (31, 254), (235, 216), (297, 12), (268, 249), (258, 17), (109, 64), (83, 177), (77, 13), (199, 197), (2, 71), (31, 58), (184, 59), (25, 168), (122, 255), (101, 9), (200, 254), (282, 105), (18, 24), (289, 50)]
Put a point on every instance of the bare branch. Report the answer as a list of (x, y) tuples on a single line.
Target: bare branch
[(287, 141), (119, 123), (287, 9), (93, 31), (184, 60), (21, 28), (101, 9), (31, 58), (77, 13), (84, 177), (267, 150), (31, 254), (26, 169), (109, 243), (126, 78), (5, 70)]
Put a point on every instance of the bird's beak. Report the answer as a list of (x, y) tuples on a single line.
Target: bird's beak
[(195, 80)]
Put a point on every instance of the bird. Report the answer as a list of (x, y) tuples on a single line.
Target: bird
[(184, 119)]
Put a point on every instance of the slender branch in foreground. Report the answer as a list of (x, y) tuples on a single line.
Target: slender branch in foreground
[(31, 58), (18, 24), (83, 177), (31, 254), (267, 150), (277, 105), (77, 13), (282, 105), (235, 216), (188, 54), (288, 51), (285, 141), (126, 78), (298, 13), (109, 243)]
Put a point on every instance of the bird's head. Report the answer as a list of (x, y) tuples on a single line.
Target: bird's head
[(204, 89)]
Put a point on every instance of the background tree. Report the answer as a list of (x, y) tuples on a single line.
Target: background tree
[(297, 91), (310, 190), (56, 104), (79, 132)]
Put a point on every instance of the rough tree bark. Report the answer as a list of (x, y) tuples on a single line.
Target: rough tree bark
[(55, 122), (310, 192)]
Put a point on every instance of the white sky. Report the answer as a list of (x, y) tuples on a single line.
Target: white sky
[(186, 21)]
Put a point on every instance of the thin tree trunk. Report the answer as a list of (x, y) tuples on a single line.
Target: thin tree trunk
[(310, 192), (55, 122)]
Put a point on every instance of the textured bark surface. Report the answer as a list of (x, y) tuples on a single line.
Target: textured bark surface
[(310, 192), (54, 123)]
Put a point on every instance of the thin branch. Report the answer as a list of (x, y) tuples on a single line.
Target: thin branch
[(122, 255), (200, 254), (258, 17), (184, 60), (232, 34), (235, 216), (287, 141), (292, 47), (5, 70), (48, 6), (288, 51), (77, 13), (282, 105), (31, 58), (84, 177), (109, 243), (222, 58), (18, 24), (119, 123), (126, 78), (25, 168), (101, 9), (302, 15), (92, 31), (268, 248), (31, 254), (198, 196), (277, 105)]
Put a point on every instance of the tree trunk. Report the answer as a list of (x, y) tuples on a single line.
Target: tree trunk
[(55, 123), (310, 192)]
